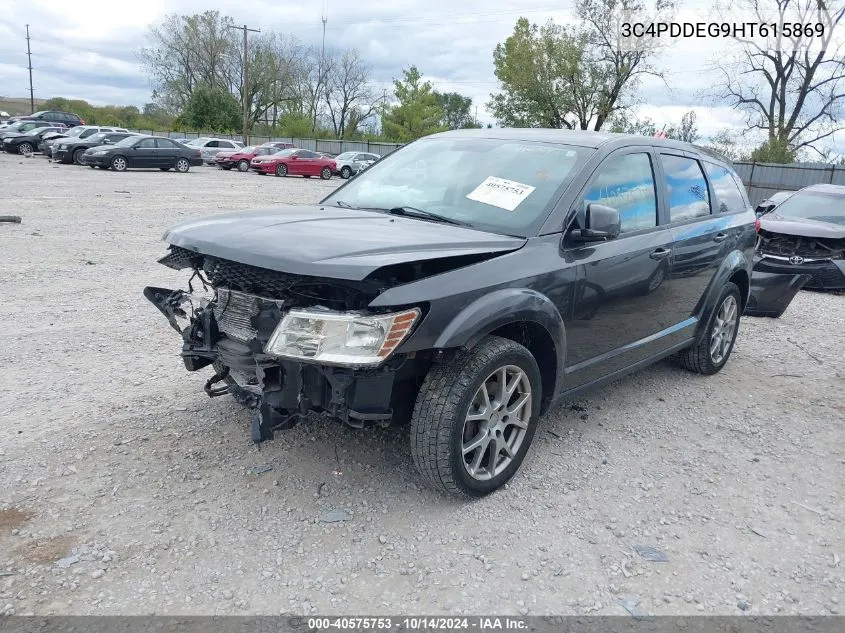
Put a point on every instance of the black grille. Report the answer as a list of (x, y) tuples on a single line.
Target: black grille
[(269, 283), (829, 278), (180, 258)]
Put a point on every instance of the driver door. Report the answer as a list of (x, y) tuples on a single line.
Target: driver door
[(619, 308), (143, 153)]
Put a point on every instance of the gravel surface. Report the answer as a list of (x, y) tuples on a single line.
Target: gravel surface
[(125, 490)]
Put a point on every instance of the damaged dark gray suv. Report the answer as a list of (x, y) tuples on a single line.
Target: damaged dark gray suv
[(465, 284)]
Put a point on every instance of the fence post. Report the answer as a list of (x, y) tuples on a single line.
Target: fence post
[(832, 169)]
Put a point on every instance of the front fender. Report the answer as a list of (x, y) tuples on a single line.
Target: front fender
[(503, 307)]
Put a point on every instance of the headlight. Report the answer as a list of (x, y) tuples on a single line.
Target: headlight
[(62, 146), (100, 153), (340, 338)]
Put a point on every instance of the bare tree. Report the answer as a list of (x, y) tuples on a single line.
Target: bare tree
[(789, 86), (349, 98), (616, 59)]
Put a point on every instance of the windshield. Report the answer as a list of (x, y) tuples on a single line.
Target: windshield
[(197, 142), (96, 138), (502, 186), (249, 149), (280, 153), (76, 131), (345, 156), (814, 205)]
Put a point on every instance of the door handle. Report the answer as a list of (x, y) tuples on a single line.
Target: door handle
[(660, 253), (720, 237)]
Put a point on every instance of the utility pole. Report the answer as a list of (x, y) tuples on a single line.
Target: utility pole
[(246, 83), (29, 57), (321, 87)]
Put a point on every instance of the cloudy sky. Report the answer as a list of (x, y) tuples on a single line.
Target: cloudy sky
[(88, 48)]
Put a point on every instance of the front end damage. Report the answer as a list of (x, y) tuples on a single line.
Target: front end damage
[(230, 312)]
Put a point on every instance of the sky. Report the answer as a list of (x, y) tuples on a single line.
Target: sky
[(87, 49)]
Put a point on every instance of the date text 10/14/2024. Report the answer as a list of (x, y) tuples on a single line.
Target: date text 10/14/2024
[(419, 623)]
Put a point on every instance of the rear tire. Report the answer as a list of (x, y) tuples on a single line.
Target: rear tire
[(183, 165), (326, 173), (226, 167), (711, 353), (455, 418), (243, 165)]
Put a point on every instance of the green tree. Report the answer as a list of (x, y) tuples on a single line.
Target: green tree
[(211, 109), (417, 113), (774, 151), (686, 131), (624, 123), (456, 110)]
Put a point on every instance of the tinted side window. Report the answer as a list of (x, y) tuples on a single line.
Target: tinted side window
[(165, 143), (626, 183), (89, 132), (729, 198), (147, 143), (687, 189)]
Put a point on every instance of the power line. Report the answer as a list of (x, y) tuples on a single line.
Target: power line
[(246, 29), (29, 59)]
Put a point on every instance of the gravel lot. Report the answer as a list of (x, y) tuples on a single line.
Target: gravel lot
[(125, 490)]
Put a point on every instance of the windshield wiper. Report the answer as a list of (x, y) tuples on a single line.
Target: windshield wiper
[(413, 212), (344, 205)]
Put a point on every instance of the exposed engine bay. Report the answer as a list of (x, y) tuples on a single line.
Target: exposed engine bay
[(783, 245), (229, 313)]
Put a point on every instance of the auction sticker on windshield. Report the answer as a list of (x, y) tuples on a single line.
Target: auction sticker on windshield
[(498, 192)]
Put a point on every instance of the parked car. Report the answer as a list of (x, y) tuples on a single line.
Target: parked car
[(803, 237), (25, 143), (771, 202), (80, 132), (145, 152), (21, 127), (69, 119), (294, 162), (209, 147), (242, 158), (279, 145), (350, 163), (466, 283), (72, 150)]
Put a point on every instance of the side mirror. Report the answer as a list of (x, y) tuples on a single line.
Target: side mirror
[(601, 224), (106, 141)]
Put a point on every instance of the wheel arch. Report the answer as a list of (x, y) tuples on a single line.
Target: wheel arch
[(734, 268), (521, 315)]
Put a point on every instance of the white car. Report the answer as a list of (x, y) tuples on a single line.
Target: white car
[(350, 163), (210, 146)]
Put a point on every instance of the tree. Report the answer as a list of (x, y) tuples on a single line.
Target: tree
[(791, 86), (456, 110), (417, 112), (567, 77), (189, 51), (774, 151), (211, 109), (686, 131), (624, 123), (726, 143), (349, 97)]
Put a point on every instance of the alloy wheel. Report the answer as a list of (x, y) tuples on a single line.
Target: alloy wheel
[(182, 165), (119, 163), (724, 327), (496, 423), (25, 149)]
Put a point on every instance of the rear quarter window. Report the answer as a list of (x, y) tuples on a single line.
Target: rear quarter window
[(686, 188), (730, 197)]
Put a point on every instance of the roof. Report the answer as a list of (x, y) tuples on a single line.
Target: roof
[(834, 190), (582, 138)]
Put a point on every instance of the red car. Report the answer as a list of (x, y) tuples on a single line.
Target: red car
[(242, 158), (294, 162)]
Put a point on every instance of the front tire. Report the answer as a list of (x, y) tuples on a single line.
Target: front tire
[(475, 417), (118, 163), (281, 170), (715, 347), (25, 149), (77, 156), (182, 165), (345, 173), (243, 165)]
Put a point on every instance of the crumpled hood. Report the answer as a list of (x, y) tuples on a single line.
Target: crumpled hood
[(328, 241), (775, 223)]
